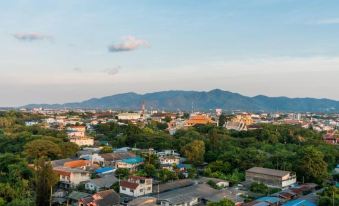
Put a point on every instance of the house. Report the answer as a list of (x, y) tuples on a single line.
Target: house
[(103, 198), (81, 164), (101, 183), (105, 171), (169, 160), (219, 182), (136, 186), (130, 163), (110, 159), (143, 201), (271, 177), (82, 141), (71, 177), (129, 116), (76, 131), (299, 202), (191, 195), (75, 196)]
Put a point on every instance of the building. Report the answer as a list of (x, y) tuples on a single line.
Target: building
[(197, 194), (71, 177), (238, 126), (270, 177), (81, 164), (82, 141), (169, 160), (76, 131), (102, 183), (198, 119), (103, 198), (129, 116), (130, 163), (136, 186), (244, 118), (110, 159)]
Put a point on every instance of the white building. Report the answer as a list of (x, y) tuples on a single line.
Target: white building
[(129, 116), (136, 186), (82, 141), (71, 177), (169, 160)]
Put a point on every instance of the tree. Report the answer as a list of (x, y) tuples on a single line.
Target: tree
[(69, 149), (106, 149), (45, 179), (194, 151), (166, 175), (224, 202), (121, 173), (42, 149), (222, 120), (150, 170), (259, 188), (311, 165)]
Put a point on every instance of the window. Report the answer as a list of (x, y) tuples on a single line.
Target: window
[(123, 188)]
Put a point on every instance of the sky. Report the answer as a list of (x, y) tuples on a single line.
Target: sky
[(71, 50)]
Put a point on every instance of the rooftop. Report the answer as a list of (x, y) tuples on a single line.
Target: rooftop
[(266, 171)]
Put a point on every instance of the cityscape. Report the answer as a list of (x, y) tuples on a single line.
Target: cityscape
[(169, 103)]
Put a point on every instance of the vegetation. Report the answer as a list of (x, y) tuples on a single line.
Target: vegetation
[(224, 154), (20, 145), (224, 202)]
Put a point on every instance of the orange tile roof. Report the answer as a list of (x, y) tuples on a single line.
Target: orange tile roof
[(76, 163)]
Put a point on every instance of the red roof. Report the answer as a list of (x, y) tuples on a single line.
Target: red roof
[(130, 185), (76, 163)]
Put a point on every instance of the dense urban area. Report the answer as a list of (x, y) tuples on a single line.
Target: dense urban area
[(216, 158)]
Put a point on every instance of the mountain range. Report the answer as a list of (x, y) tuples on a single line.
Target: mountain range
[(175, 100)]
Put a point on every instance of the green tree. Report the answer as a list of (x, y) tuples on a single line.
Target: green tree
[(194, 151), (106, 149), (311, 165), (224, 202), (45, 179), (122, 173), (42, 149), (150, 170)]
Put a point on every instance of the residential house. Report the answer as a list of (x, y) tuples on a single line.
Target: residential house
[(82, 141), (130, 163), (103, 198), (81, 164), (271, 177), (110, 159), (101, 183), (76, 131), (169, 160), (136, 186), (71, 177)]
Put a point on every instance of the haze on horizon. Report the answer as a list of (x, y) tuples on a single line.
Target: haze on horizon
[(72, 50)]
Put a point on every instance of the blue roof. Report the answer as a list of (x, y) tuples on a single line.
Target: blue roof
[(133, 160), (269, 199), (104, 169), (299, 203)]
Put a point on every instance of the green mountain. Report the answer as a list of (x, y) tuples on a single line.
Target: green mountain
[(202, 101)]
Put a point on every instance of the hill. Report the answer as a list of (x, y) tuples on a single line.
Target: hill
[(202, 101)]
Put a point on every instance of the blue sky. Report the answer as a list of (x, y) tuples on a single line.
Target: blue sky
[(64, 50)]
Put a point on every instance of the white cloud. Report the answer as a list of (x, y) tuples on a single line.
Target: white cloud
[(31, 36), (112, 71), (328, 21), (129, 43)]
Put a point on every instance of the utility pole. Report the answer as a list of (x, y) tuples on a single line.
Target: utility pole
[(50, 198)]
